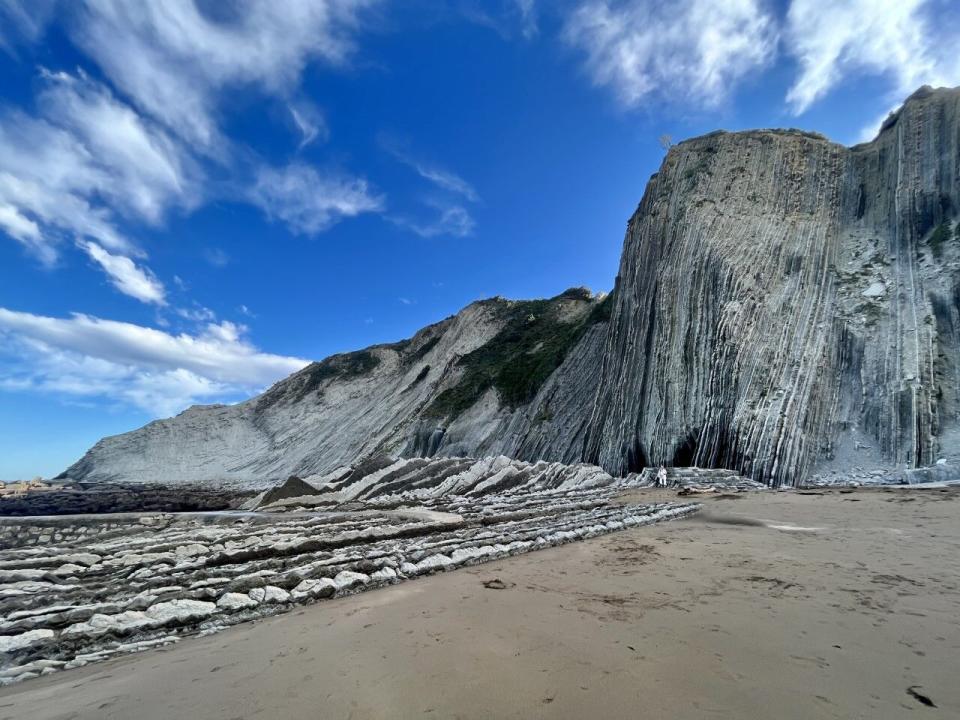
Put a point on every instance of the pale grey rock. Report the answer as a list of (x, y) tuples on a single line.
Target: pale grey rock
[(12, 576), (12, 643), (386, 574), (434, 562), (316, 588), (348, 580), (876, 289), (68, 569), (85, 559), (274, 595), (419, 516), (180, 612), (191, 550), (37, 666), (29, 587), (123, 623), (236, 601)]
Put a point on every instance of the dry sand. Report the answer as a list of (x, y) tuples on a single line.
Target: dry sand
[(701, 618)]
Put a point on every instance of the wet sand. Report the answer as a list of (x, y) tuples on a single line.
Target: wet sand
[(767, 605)]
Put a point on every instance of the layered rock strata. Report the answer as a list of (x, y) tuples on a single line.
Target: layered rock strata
[(89, 588), (782, 301)]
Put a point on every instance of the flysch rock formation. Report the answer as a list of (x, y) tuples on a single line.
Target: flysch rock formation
[(455, 388), (78, 589), (781, 302)]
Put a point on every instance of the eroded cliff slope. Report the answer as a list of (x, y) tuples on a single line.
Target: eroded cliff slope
[(780, 298), (468, 374)]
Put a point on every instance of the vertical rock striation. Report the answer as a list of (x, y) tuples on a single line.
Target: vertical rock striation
[(780, 300), (778, 291)]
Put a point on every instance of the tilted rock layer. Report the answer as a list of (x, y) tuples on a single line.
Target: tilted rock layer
[(82, 588), (778, 295)]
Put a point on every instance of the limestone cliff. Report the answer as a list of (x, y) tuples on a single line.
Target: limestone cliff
[(451, 389), (780, 299), (779, 293)]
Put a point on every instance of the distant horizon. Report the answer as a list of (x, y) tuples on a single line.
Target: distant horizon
[(187, 223)]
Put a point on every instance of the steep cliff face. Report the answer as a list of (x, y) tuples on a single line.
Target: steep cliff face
[(780, 298), (779, 294)]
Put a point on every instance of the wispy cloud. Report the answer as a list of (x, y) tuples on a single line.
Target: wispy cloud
[(447, 198), (20, 23), (508, 18), (93, 163), (688, 50), (126, 275), (198, 313), (85, 356), (309, 121), (697, 51), (148, 50), (438, 176), (87, 162), (527, 10), (452, 220), (889, 37), (909, 42), (216, 257), (308, 201)]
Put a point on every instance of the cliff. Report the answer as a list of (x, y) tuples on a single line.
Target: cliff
[(452, 389), (780, 300)]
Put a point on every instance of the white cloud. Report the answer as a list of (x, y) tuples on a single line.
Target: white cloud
[(683, 50), (27, 232), (309, 122), (451, 220), (308, 202), (140, 169), (443, 179), (446, 180), (898, 39), (126, 275), (504, 17), (74, 171), (151, 369), (198, 313), (20, 22), (173, 58), (528, 17), (217, 257)]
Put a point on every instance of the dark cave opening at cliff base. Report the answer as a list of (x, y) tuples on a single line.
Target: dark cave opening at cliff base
[(685, 452), (637, 458)]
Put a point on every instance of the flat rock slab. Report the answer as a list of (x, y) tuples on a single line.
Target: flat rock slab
[(137, 581)]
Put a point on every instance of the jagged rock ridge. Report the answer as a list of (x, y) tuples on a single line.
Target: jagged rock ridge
[(780, 298)]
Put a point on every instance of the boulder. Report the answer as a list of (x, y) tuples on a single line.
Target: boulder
[(31, 638), (232, 602)]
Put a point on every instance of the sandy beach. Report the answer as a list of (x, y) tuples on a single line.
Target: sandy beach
[(826, 604)]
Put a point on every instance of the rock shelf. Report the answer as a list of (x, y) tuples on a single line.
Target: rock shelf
[(78, 589)]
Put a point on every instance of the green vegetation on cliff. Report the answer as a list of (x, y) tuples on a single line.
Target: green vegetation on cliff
[(535, 339)]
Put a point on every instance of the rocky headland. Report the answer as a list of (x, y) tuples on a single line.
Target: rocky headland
[(784, 304)]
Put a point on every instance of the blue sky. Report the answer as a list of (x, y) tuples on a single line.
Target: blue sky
[(196, 198)]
